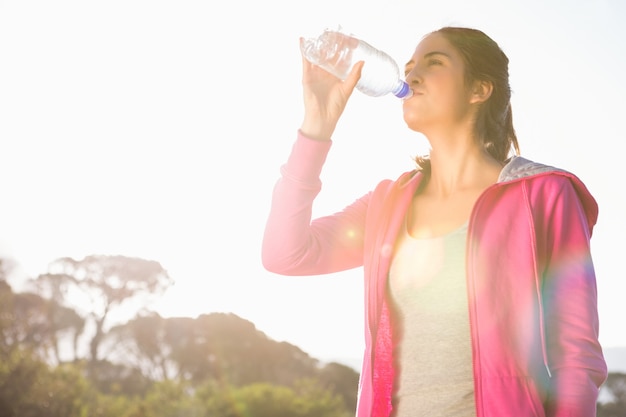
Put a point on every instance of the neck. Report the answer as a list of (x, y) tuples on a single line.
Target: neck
[(458, 164)]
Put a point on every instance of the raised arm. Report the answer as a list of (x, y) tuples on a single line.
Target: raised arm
[(293, 244)]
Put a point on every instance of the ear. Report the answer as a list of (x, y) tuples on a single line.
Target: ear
[(481, 91)]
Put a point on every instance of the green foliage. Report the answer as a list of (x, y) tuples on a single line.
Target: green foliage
[(306, 399), (103, 405), (216, 365), (29, 388), (113, 378), (615, 389), (342, 380), (170, 399)]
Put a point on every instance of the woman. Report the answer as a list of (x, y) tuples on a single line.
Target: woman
[(480, 291)]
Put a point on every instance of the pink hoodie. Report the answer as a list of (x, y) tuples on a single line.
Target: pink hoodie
[(530, 277)]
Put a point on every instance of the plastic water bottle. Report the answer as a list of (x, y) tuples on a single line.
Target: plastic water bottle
[(337, 52)]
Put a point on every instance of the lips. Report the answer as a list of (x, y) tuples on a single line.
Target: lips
[(415, 93)]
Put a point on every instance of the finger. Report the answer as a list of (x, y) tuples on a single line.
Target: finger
[(354, 75), (304, 60)]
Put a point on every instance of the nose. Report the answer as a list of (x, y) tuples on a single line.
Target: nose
[(413, 77)]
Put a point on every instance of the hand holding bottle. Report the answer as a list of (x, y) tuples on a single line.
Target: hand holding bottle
[(337, 52), (325, 98)]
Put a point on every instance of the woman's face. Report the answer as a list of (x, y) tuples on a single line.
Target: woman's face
[(440, 98)]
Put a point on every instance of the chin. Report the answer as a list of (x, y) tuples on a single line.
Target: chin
[(413, 122)]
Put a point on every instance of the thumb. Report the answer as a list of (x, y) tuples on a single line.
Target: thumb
[(355, 75)]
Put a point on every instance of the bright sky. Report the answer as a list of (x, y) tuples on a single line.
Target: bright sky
[(156, 129)]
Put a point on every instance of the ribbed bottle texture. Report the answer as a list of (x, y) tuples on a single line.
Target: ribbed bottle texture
[(337, 52)]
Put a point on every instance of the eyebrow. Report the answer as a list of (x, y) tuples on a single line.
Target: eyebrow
[(428, 55)]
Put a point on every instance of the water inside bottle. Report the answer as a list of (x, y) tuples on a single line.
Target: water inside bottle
[(337, 52), (331, 51)]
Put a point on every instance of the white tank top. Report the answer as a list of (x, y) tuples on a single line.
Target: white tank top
[(427, 283)]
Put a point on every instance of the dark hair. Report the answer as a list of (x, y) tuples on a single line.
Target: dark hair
[(485, 61)]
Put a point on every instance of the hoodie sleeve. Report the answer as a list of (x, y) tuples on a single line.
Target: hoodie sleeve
[(293, 244), (570, 302)]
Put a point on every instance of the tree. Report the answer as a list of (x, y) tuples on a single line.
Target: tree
[(7, 266), (341, 379), (30, 326), (115, 378), (6, 309), (29, 388), (615, 390), (64, 320), (172, 399), (143, 344), (216, 346), (28, 320), (306, 399), (98, 284), (6, 318)]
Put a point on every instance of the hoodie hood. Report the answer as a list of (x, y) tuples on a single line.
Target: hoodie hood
[(519, 167)]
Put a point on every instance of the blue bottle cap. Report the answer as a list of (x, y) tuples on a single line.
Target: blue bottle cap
[(404, 91)]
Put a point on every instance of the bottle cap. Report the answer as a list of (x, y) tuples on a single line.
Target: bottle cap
[(404, 92)]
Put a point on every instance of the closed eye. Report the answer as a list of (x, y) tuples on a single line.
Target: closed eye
[(434, 58), (408, 69)]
